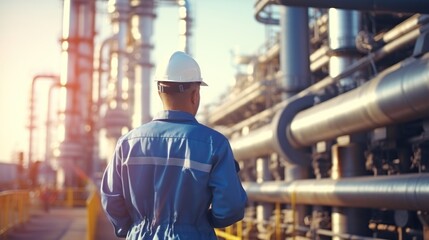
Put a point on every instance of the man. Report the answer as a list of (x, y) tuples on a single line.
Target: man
[(173, 178)]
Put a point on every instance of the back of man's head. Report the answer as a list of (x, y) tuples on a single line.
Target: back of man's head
[(178, 82)]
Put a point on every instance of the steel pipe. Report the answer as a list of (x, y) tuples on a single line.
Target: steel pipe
[(272, 137), (294, 62), (405, 192), (406, 26), (364, 62), (142, 32), (185, 26), (31, 126), (413, 6), (410, 6), (396, 95), (387, 49)]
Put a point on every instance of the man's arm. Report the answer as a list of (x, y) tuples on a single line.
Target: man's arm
[(229, 197), (112, 199)]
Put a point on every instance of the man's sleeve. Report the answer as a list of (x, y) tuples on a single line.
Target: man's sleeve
[(112, 199), (229, 198)]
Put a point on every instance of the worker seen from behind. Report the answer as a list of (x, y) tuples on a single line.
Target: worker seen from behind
[(173, 178)]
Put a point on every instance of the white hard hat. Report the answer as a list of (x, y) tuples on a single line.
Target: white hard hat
[(181, 68)]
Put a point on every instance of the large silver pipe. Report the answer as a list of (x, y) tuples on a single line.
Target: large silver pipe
[(410, 6), (387, 49), (272, 138), (398, 94), (245, 147), (405, 192)]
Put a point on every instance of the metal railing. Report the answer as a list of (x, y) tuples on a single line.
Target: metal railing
[(93, 208), (15, 206), (233, 232), (14, 209)]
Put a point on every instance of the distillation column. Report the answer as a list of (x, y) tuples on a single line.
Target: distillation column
[(117, 117), (141, 33), (77, 46)]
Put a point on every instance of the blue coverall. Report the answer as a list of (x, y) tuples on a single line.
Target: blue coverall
[(172, 178)]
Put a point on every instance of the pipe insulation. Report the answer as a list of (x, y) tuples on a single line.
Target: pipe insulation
[(272, 138), (396, 95), (409, 6), (389, 48), (404, 192)]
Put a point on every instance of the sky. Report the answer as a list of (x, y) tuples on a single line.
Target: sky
[(29, 45)]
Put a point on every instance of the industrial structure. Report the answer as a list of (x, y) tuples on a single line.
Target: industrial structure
[(329, 122)]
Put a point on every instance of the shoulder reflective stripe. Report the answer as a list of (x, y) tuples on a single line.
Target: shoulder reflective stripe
[(185, 163)]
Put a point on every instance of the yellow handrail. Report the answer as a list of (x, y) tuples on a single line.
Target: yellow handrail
[(93, 207), (227, 233), (14, 209)]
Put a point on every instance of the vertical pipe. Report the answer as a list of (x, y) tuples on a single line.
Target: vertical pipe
[(295, 68), (49, 126), (347, 161), (31, 126), (85, 81), (185, 26), (263, 210), (98, 84), (297, 213), (69, 66), (70, 148), (76, 75), (343, 26), (142, 31), (119, 10), (294, 53), (117, 118)]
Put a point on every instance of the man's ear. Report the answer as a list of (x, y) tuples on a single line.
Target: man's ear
[(194, 97)]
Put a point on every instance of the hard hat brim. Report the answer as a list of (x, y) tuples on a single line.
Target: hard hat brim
[(174, 81)]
